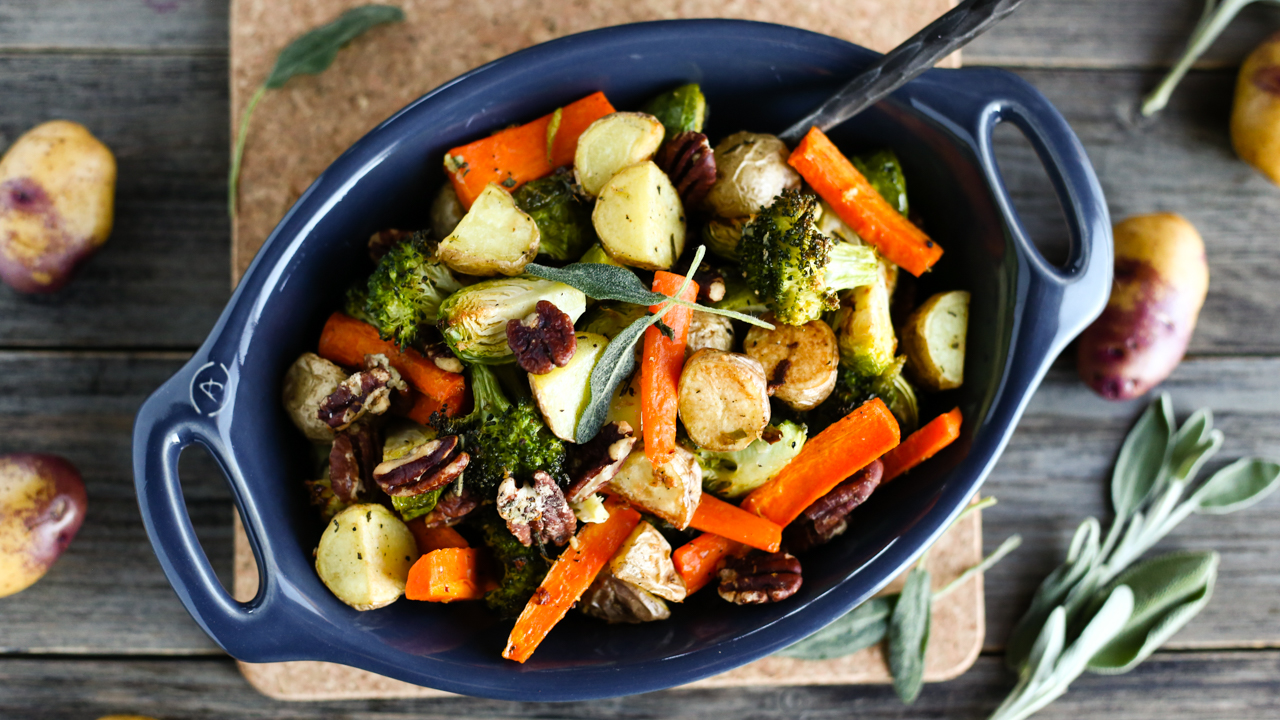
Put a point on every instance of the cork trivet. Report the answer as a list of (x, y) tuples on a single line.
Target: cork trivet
[(300, 129)]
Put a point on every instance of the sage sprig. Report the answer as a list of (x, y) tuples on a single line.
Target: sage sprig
[(310, 54), (1115, 613)]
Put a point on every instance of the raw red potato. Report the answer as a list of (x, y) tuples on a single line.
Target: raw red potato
[(1255, 119), (42, 505), (1160, 284)]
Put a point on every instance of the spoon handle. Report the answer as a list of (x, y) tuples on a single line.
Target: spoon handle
[(920, 52)]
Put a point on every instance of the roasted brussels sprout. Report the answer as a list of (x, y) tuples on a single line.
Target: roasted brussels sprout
[(884, 172), (563, 218), (731, 475), (446, 211), (721, 236), (683, 109), (474, 319), (612, 317)]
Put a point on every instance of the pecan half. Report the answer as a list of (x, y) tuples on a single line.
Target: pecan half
[(451, 508), (367, 392), (443, 358), (543, 340), (354, 453), (429, 466), (759, 578), (381, 242), (828, 516), (595, 462), (689, 163), (539, 511)]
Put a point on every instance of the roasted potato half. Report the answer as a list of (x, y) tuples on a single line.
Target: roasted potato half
[(934, 339), (618, 601), (644, 560), (563, 394), (639, 218), (799, 361), (724, 400), (364, 556), (671, 491), (612, 143), (494, 238)]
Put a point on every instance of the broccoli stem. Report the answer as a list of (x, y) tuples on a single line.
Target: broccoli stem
[(487, 394), (851, 266)]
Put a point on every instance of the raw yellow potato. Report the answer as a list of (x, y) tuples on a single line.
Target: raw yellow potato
[(494, 238), (751, 170), (724, 400), (42, 505), (933, 338), (800, 361), (671, 491), (563, 394), (639, 218), (644, 560), (57, 196), (308, 382), (864, 329), (364, 556), (612, 143), (1255, 118), (1161, 278)]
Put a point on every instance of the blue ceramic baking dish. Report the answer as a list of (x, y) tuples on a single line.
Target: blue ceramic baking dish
[(756, 77)]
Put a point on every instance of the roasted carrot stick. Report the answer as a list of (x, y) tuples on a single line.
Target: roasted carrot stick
[(435, 538), (825, 461), (660, 368), (922, 444), (570, 576), (517, 155), (732, 522), (445, 575), (698, 560), (857, 203), (346, 341)]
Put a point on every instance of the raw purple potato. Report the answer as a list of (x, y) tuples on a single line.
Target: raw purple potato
[(42, 505)]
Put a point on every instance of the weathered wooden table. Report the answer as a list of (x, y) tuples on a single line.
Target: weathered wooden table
[(103, 632)]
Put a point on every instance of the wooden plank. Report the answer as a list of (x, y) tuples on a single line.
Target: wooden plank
[(161, 279), (130, 25), (1169, 686), (108, 595)]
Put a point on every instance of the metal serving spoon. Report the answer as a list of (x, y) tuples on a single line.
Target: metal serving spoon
[(900, 65)]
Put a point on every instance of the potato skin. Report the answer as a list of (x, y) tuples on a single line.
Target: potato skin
[(42, 506), (57, 195), (1255, 115), (751, 170), (1161, 278)]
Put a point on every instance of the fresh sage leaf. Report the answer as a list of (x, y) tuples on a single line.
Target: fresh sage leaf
[(600, 282), (1168, 591), (1141, 457), (313, 53), (858, 629), (1082, 557), (1237, 486), (616, 364), (908, 634), (1010, 544)]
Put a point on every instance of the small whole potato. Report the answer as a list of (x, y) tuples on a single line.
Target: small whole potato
[(309, 380), (751, 170), (800, 361), (42, 505), (1255, 116), (1161, 278), (724, 400), (57, 195)]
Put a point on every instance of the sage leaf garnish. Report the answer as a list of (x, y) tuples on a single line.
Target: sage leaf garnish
[(310, 54), (616, 364), (858, 629), (1109, 612), (908, 635)]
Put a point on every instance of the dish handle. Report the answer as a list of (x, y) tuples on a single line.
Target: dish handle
[(184, 411)]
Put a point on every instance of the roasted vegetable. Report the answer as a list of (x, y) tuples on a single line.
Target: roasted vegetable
[(644, 560), (612, 317), (1255, 118), (864, 329), (562, 394), (364, 556), (1161, 278), (495, 237), (400, 439), (740, 296), (523, 568), (751, 170), (323, 498), (446, 211), (724, 399), (57, 198), (404, 292), (596, 254), (670, 491), (625, 405), (796, 269), (42, 505), (683, 109), (933, 338), (474, 319), (800, 361), (853, 390), (639, 218), (563, 218), (612, 143), (722, 235), (710, 331), (884, 172), (731, 475), (617, 601), (309, 380), (514, 442)]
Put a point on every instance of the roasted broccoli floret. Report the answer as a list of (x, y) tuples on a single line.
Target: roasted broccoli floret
[(504, 439), (523, 568), (404, 292), (488, 402), (853, 389), (793, 267), (563, 218), (734, 474)]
